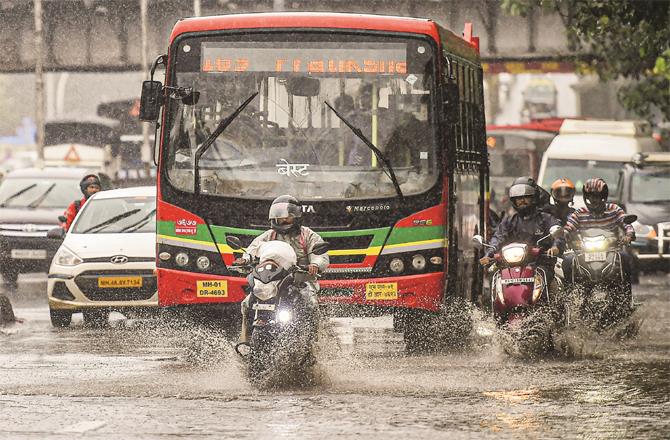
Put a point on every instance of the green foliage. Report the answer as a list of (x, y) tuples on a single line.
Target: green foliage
[(627, 39)]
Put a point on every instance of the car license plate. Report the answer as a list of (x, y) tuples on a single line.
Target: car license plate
[(212, 289), (119, 282), (29, 254), (381, 291), (595, 256)]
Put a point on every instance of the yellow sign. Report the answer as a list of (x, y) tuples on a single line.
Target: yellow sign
[(381, 291), (119, 282), (212, 289)]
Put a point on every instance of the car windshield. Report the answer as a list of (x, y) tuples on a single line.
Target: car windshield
[(38, 192), (579, 171), (650, 187), (117, 215), (287, 140)]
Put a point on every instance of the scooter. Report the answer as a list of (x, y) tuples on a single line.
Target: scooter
[(599, 282), (283, 316), (524, 311)]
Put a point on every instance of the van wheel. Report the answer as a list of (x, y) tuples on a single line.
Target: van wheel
[(60, 318)]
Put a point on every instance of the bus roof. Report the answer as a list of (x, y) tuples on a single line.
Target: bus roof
[(320, 20)]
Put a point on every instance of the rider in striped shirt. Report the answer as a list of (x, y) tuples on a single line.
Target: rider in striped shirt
[(598, 214)]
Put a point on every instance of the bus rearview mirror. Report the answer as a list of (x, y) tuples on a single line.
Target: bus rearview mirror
[(151, 101)]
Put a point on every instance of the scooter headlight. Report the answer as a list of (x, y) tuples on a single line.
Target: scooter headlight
[(597, 243), (284, 316), (514, 253)]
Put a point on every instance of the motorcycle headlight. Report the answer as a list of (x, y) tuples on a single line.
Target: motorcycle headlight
[(65, 257), (514, 253), (597, 243), (283, 316), (264, 291)]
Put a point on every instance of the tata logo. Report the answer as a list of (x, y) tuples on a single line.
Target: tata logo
[(119, 259), (308, 209)]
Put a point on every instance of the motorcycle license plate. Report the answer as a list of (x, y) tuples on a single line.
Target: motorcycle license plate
[(259, 306), (595, 256)]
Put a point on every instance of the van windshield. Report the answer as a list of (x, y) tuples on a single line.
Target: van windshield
[(579, 171), (650, 187)]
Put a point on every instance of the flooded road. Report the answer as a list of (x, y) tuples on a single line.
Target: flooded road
[(154, 380)]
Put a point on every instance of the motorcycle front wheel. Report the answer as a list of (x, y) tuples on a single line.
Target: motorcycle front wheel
[(260, 357)]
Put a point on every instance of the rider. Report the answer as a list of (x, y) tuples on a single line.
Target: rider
[(598, 214), (89, 185), (562, 191), (527, 225), (285, 222)]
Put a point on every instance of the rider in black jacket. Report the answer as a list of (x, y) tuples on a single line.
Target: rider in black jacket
[(527, 225)]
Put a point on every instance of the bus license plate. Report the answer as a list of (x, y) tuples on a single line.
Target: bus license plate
[(119, 282), (212, 289), (595, 256), (29, 254), (381, 291)]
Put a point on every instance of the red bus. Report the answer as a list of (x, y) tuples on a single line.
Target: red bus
[(259, 105)]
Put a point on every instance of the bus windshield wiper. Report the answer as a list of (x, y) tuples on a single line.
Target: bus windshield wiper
[(112, 220), (212, 137), (357, 131), (17, 194), (35, 203), (138, 224)]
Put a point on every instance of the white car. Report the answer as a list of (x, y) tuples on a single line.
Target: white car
[(107, 260)]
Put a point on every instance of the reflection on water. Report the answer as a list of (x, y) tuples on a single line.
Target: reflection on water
[(368, 388)]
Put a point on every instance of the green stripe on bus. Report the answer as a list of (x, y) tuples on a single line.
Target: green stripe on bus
[(419, 233)]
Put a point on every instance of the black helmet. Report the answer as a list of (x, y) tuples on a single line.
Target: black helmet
[(89, 179), (283, 207), (595, 193), (520, 190)]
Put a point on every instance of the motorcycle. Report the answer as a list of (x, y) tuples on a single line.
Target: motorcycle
[(599, 283), (524, 311), (282, 316)]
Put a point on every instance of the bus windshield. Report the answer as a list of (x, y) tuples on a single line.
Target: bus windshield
[(287, 140)]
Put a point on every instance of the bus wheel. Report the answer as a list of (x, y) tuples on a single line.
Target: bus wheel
[(419, 331)]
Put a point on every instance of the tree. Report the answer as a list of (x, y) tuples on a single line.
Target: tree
[(627, 39)]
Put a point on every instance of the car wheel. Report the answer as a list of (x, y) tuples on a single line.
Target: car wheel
[(60, 318), (96, 318)]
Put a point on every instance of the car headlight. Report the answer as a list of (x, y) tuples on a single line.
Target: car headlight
[(514, 253), (597, 243), (642, 230), (65, 257)]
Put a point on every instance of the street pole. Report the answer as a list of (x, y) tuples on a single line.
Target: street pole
[(197, 12), (39, 81), (146, 149)]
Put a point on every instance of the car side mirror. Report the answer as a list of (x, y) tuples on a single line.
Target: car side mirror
[(478, 242), (629, 218), (56, 233), (151, 101), (234, 243), (321, 248)]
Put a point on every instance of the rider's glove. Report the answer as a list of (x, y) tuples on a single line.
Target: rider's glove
[(484, 261), (313, 269)]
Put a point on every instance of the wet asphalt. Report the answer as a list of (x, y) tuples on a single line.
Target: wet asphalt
[(162, 379)]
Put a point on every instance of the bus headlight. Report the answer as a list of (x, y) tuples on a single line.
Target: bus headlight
[(396, 265), (181, 259), (203, 263), (419, 262)]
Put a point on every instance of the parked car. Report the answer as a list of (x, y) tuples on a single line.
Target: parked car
[(594, 148), (107, 260), (644, 190), (31, 200)]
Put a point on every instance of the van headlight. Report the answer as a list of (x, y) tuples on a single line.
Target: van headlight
[(65, 257), (514, 253)]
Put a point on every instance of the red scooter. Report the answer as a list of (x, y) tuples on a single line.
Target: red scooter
[(524, 310)]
